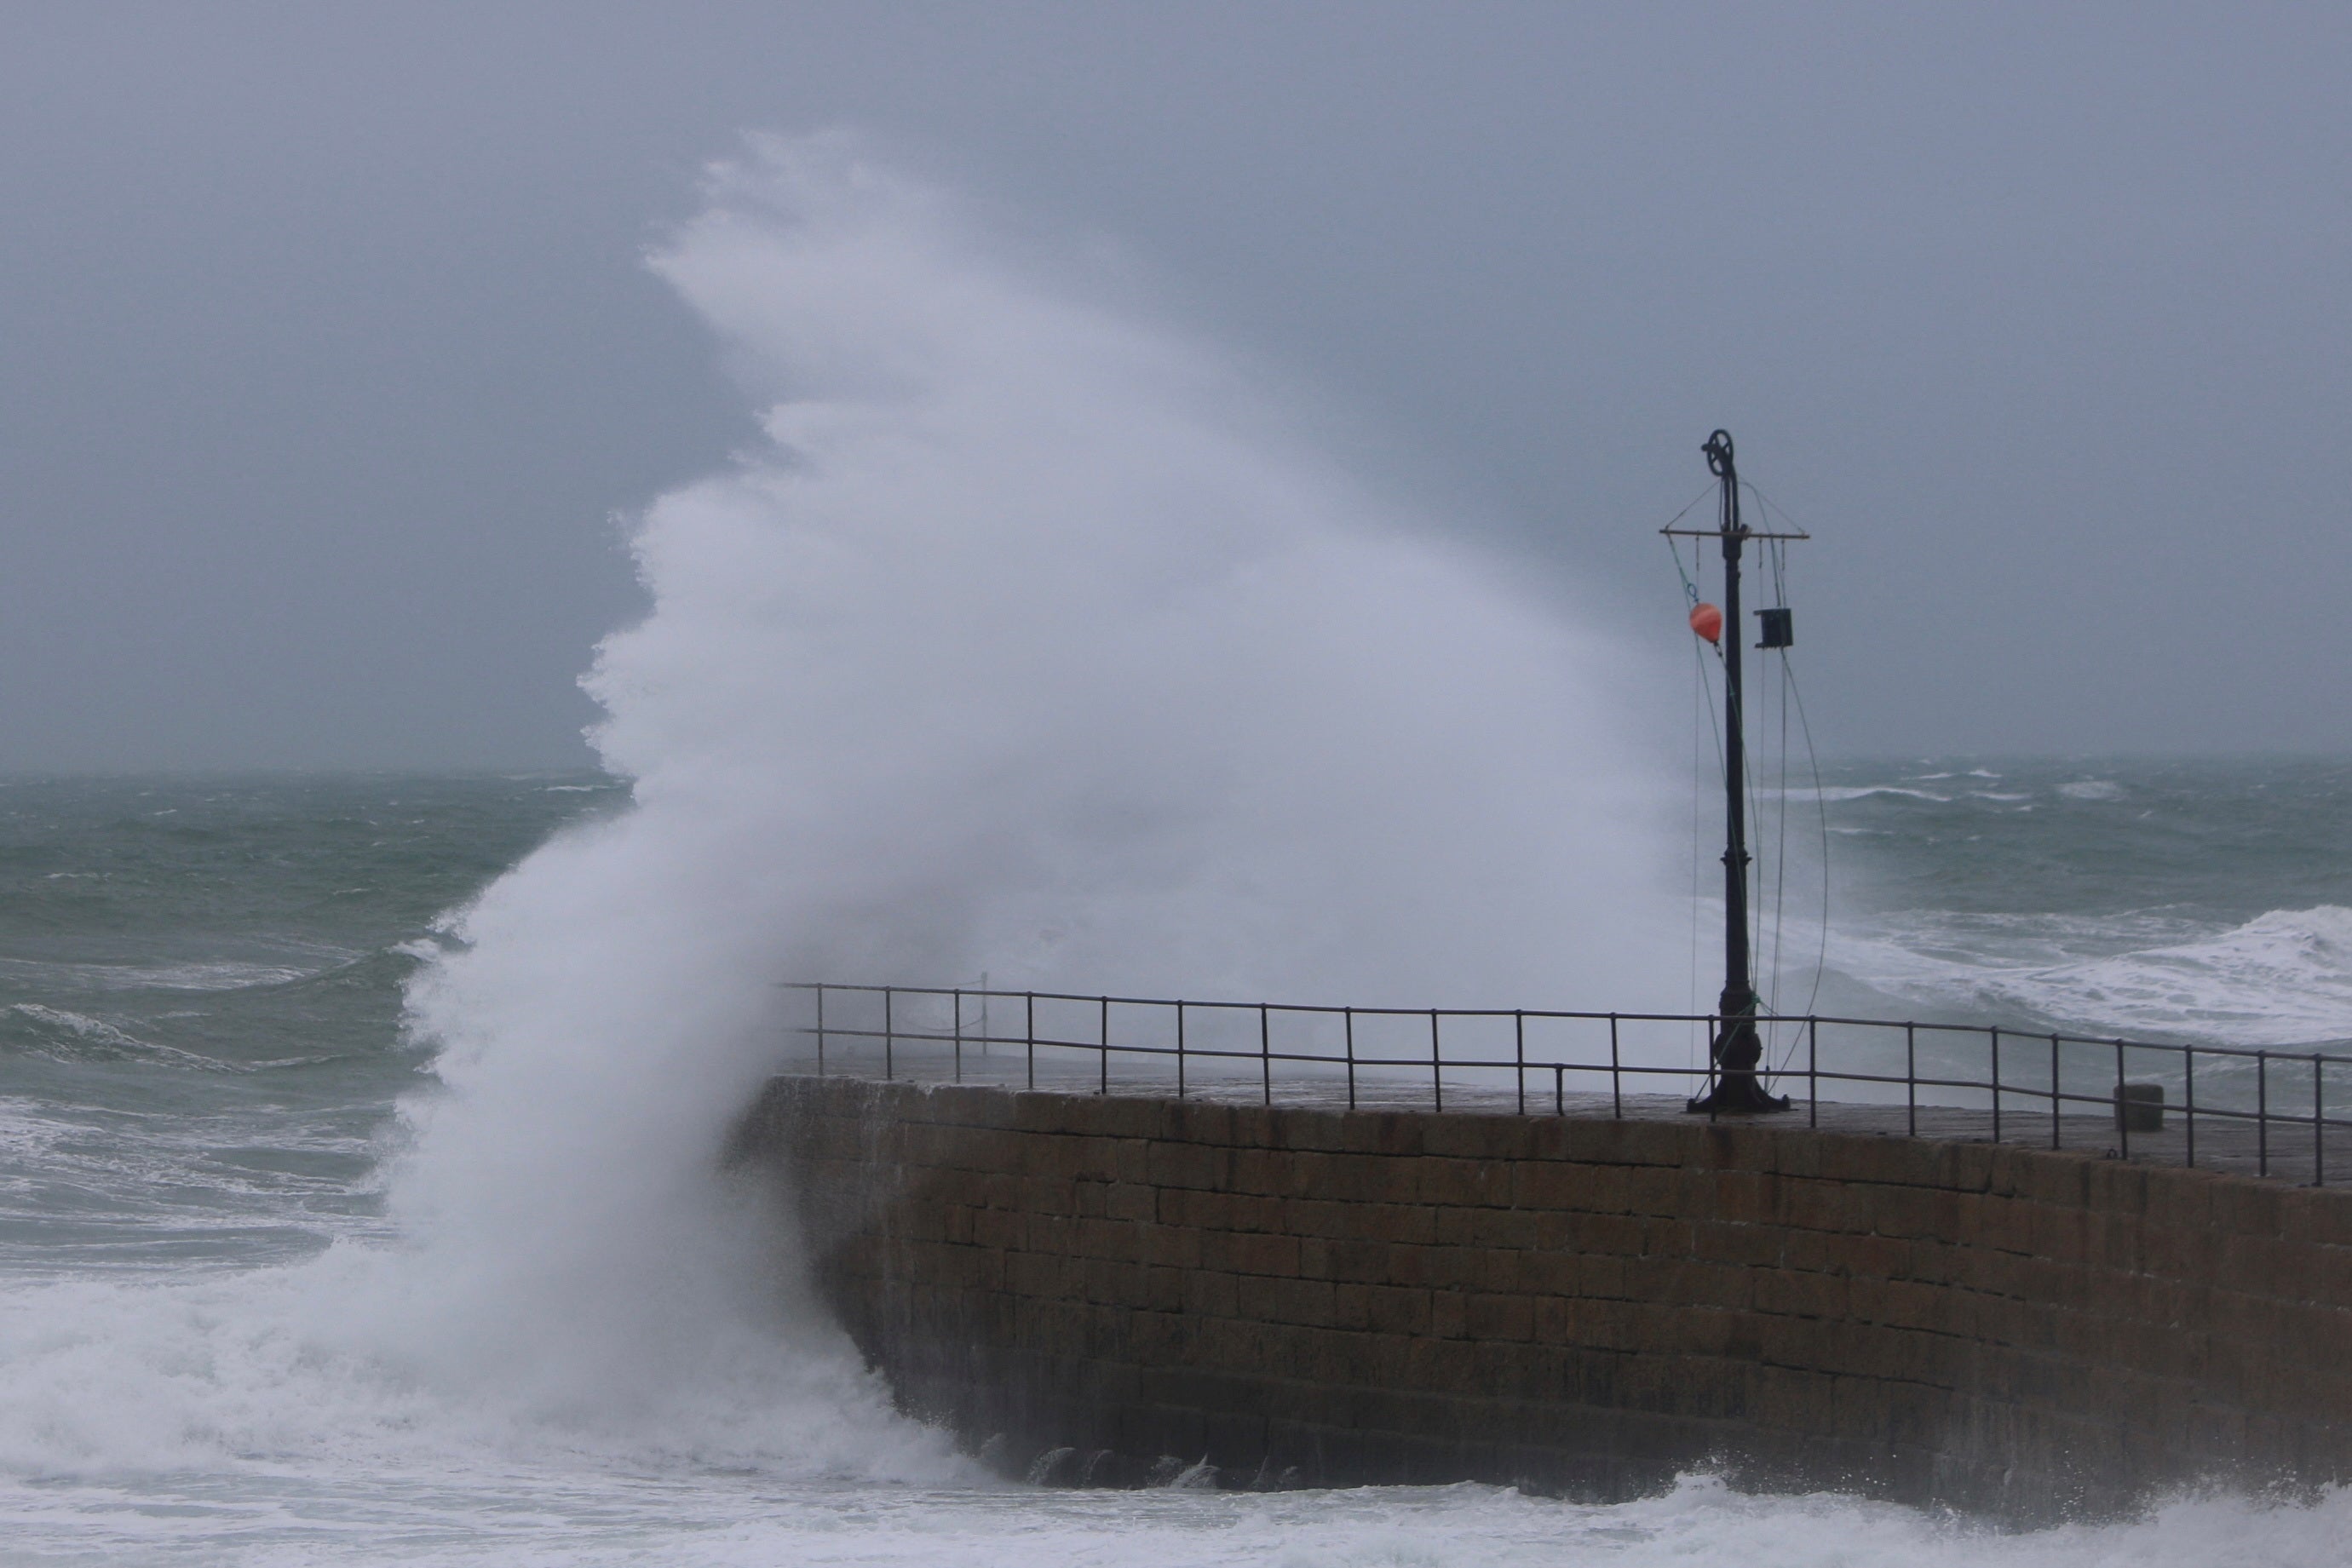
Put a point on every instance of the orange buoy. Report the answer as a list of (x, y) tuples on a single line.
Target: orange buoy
[(1708, 621)]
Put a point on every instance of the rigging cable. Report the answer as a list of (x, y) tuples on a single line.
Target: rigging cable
[(1791, 695), (1813, 758), (1714, 734), (1777, 552)]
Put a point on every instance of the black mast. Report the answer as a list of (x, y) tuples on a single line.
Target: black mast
[(1737, 1048)]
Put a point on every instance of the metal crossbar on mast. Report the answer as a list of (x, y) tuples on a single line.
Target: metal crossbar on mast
[(1737, 1048)]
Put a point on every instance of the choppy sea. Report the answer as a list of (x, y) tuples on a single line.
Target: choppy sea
[(202, 1049)]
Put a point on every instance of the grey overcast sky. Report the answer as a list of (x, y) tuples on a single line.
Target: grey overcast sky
[(327, 353)]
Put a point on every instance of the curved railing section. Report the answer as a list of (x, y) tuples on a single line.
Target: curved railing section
[(2261, 1111)]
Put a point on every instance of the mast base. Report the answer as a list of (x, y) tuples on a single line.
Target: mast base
[(1734, 1055), (1738, 1094)]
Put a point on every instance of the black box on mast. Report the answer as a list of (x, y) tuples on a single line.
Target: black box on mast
[(1776, 628)]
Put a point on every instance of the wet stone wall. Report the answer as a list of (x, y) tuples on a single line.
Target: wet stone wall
[(1117, 1289)]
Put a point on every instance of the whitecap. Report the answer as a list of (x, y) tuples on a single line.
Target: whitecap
[(2281, 979), (71, 1036), (1835, 793)]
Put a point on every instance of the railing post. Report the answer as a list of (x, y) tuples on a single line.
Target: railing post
[(957, 1032), (1995, 1034), (1560, 1088), (1264, 1055), (1911, 1075), (1351, 1016), (2262, 1113), (1714, 1027), (1616, 1078), (1029, 1031), (2319, 1124), (2057, 1102), (1102, 1035), (1436, 1066), (2188, 1096), (820, 1031), (1520, 1056), (2122, 1114), (1180, 1050), (889, 1035), (1812, 1072)]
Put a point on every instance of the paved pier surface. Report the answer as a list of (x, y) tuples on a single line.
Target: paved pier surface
[(2216, 1141)]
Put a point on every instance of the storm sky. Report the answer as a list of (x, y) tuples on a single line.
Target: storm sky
[(328, 357)]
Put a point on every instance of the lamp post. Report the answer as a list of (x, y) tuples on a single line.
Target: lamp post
[(1736, 1050)]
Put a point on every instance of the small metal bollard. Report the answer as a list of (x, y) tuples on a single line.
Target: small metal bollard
[(2139, 1107)]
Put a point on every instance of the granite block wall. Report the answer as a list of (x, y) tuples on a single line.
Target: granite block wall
[(1581, 1305)]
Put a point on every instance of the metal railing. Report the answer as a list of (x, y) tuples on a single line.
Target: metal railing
[(2263, 1111)]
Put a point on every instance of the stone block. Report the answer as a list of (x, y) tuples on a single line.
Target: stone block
[(1404, 1223), (1362, 1261), (1259, 1171), (1737, 1146), (1209, 1294), (1117, 1240), (1498, 1317), (1203, 1122), (1557, 1185), (2060, 1234), (1107, 1282), (1397, 1132), (1440, 1364), (1250, 1252), (1907, 1212), (1324, 1132), (1132, 1201), (1003, 1229), (1668, 1236), (1399, 1310), (1603, 1278), (1041, 1113), (1639, 1143), (1792, 1293), (1254, 1126), (1135, 1118), (1552, 1274), (1875, 1257), (1039, 1276), (1506, 1229), (1330, 1219), (1092, 1159), (1670, 1191), (1311, 1303), (1742, 1244), (2316, 1216), (2057, 1178), (1482, 1138), (1826, 1205), (1461, 1182), (1608, 1233), (1415, 1265), (1199, 1166)]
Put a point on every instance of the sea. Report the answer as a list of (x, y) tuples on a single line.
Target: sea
[(223, 1339)]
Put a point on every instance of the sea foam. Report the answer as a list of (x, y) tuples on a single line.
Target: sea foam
[(1027, 641)]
